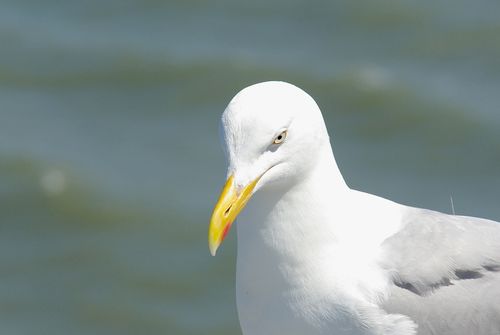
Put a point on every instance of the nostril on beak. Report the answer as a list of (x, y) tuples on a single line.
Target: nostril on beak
[(227, 210)]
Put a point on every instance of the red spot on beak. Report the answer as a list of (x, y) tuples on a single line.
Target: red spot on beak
[(226, 230)]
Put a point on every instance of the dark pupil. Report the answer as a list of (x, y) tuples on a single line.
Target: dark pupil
[(280, 137)]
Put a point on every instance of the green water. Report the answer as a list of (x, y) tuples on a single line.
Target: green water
[(109, 150)]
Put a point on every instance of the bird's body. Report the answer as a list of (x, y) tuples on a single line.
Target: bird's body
[(302, 270), (317, 258)]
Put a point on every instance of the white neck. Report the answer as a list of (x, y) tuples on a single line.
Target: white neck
[(273, 218), (304, 237)]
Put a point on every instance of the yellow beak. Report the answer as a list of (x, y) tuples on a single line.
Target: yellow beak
[(229, 205)]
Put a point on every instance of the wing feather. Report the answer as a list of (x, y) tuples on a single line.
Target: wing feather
[(433, 249), (446, 273)]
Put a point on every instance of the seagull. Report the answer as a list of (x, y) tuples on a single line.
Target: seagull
[(315, 257)]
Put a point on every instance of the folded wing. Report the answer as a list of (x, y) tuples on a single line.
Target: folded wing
[(446, 273)]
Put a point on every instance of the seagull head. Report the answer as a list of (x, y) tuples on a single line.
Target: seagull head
[(272, 134)]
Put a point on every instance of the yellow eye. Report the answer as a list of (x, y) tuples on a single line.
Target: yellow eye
[(281, 137)]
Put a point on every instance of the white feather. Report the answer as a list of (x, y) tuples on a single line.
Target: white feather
[(315, 257)]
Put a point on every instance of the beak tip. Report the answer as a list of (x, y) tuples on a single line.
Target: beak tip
[(213, 249)]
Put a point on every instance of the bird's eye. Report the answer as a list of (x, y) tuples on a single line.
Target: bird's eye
[(281, 137)]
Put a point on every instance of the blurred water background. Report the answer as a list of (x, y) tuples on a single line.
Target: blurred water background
[(109, 151)]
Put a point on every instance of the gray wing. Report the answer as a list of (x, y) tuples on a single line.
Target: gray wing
[(446, 273)]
